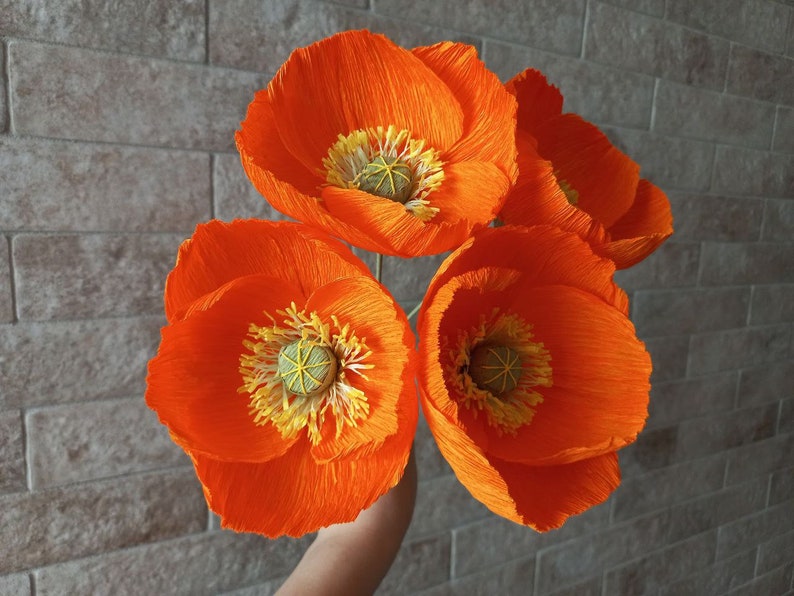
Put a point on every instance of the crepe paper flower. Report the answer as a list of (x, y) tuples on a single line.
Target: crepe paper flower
[(398, 152), (530, 372), (287, 374), (571, 176)]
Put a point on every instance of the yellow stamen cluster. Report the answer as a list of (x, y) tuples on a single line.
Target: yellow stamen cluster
[(570, 192), (388, 163), (282, 393), (524, 361)]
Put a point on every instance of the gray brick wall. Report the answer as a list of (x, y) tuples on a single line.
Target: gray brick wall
[(116, 124)]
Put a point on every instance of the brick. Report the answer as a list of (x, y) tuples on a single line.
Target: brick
[(713, 510), (3, 93), (86, 519), (712, 116), (160, 28), (673, 265), (654, 449), (753, 22), (96, 275), (669, 357), (6, 292), (545, 24), (595, 92), (647, 574), (718, 432), (715, 579), (651, 7), (268, 588), (766, 384), (82, 94), (774, 582), (710, 217), (94, 440), (740, 171), (759, 459), (760, 75), (12, 453), (491, 542), (567, 563), (234, 195), (786, 421), (784, 130), (745, 263), (775, 553), (678, 312), (442, 503), (513, 579), (53, 186), (747, 532), (245, 34), (204, 564), (636, 42), (670, 162), (419, 564), (779, 221), (781, 487), (54, 363), (772, 304), (407, 279), (588, 587), (672, 402), (17, 584), (664, 487)]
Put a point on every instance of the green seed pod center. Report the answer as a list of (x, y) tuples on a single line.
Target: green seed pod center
[(306, 368), (496, 369), (386, 177)]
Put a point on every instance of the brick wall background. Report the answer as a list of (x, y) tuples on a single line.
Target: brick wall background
[(116, 122)]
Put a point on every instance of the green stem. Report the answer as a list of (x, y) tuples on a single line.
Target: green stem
[(414, 310), (378, 266)]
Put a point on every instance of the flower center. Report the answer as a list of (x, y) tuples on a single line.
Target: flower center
[(387, 177), (386, 163), (499, 369), (299, 372), (496, 369), (306, 368)]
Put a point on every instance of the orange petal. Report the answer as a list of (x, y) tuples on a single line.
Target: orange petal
[(546, 496), (193, 379), (605, 178), (384, 226), (292, 494), (642, 229), (600, 370), (355, 80), (220, 252), (537, 99), (545, 255), (537, 198), (258, 140), (377, 321), (472, 191), (541, 497), (488, 110)]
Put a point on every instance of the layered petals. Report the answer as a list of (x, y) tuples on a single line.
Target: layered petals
[(541, 448), (285, 369), (571, 175), (343, 107)]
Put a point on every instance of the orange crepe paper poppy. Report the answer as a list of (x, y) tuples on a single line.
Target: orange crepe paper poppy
[(398, 152), (530, 372), (571, 176), (286, 372)]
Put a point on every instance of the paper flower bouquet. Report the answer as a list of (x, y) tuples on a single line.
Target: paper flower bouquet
[(288, 372)]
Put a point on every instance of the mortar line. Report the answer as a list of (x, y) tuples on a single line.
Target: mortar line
[(207, 32), (7, 80), (585, 21)]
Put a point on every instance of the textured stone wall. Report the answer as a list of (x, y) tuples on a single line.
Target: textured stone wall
[(116, 123)]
